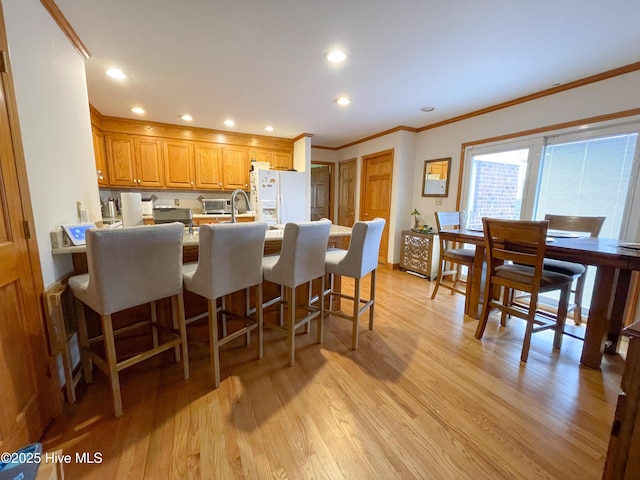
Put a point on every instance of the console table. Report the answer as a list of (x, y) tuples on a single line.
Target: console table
[(420, 253)]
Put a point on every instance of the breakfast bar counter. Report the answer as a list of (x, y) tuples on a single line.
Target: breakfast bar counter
[(273, 237), (195, 305)]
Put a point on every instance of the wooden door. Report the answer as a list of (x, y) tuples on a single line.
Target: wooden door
[(25, 390), (178, 164), (208, 166), (347, 196), (100, 153), (121, 160), (149, 162), (375, 193), (235, 168), (347, 192), (321, 192)]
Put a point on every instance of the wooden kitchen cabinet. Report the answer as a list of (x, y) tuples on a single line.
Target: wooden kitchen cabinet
[(148, 162), (278, 160), (259, 155), (179, 164), (419, 253), (100, 154), (208, 166), (281, 160), (133, 161), (236, 167), (120, 160)]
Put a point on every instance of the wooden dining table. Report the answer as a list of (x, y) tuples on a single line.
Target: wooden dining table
[(614, 266)]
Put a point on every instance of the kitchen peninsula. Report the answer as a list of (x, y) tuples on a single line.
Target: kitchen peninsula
[(273, 239), (195, 305)]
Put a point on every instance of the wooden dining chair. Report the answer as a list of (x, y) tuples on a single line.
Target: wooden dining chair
[(515, 256), (566, 223), (452, 256)]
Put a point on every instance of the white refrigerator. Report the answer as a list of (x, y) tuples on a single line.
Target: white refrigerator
[(278, 196)]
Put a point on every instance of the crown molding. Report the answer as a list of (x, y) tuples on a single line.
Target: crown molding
[(65, 26), (516, 101)]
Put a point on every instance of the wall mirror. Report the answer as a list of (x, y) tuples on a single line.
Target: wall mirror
[(435, 178)]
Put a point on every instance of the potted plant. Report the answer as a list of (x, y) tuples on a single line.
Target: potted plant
[(416, 216)]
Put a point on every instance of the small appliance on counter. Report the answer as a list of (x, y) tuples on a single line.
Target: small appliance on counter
[(172, 214), (147, 206), (216, 206), (108, 208)]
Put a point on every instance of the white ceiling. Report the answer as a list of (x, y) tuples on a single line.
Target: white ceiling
[(262, 61)]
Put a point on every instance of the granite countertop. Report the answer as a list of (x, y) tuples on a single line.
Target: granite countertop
[(193, 239), (214, 215)]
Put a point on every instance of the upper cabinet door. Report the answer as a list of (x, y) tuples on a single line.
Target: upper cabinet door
[(281, 161), (100, 152), (208, 166), (236, 168), (260, 156), (121, 160), (179, 164), (149, 162)]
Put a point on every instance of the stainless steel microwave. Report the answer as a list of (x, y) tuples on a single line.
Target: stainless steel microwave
[(216, 206)]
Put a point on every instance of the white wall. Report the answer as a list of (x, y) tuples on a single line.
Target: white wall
[(302, 163), (403, 145), (53, 108), (609, 96), (411, 150), (323, 155)]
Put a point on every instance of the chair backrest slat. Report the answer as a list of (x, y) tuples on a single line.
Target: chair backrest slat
[(517, 241), (568, 223)]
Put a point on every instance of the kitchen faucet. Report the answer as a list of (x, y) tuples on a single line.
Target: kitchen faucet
[(233, 203)]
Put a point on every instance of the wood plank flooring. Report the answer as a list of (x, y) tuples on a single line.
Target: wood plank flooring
[(421, 398)]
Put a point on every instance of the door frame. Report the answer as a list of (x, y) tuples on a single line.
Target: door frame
[(49, 397), (364, 159), (332, 167)]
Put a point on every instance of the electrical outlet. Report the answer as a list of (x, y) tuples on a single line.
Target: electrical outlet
[(176, 202), (438, 201)]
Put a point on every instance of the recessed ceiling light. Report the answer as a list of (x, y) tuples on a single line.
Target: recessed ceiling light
[(336, 56), (186, 117), (229, 123), (427, 109), (269, 128), (138, 110), (343, 101), (116, 73)]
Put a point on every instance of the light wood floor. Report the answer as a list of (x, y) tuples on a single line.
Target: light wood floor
[(421, 398)]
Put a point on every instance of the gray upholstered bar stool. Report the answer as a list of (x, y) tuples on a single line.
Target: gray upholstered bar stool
[(301, 260), (358, 261), (229, 260), (129, 267)]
